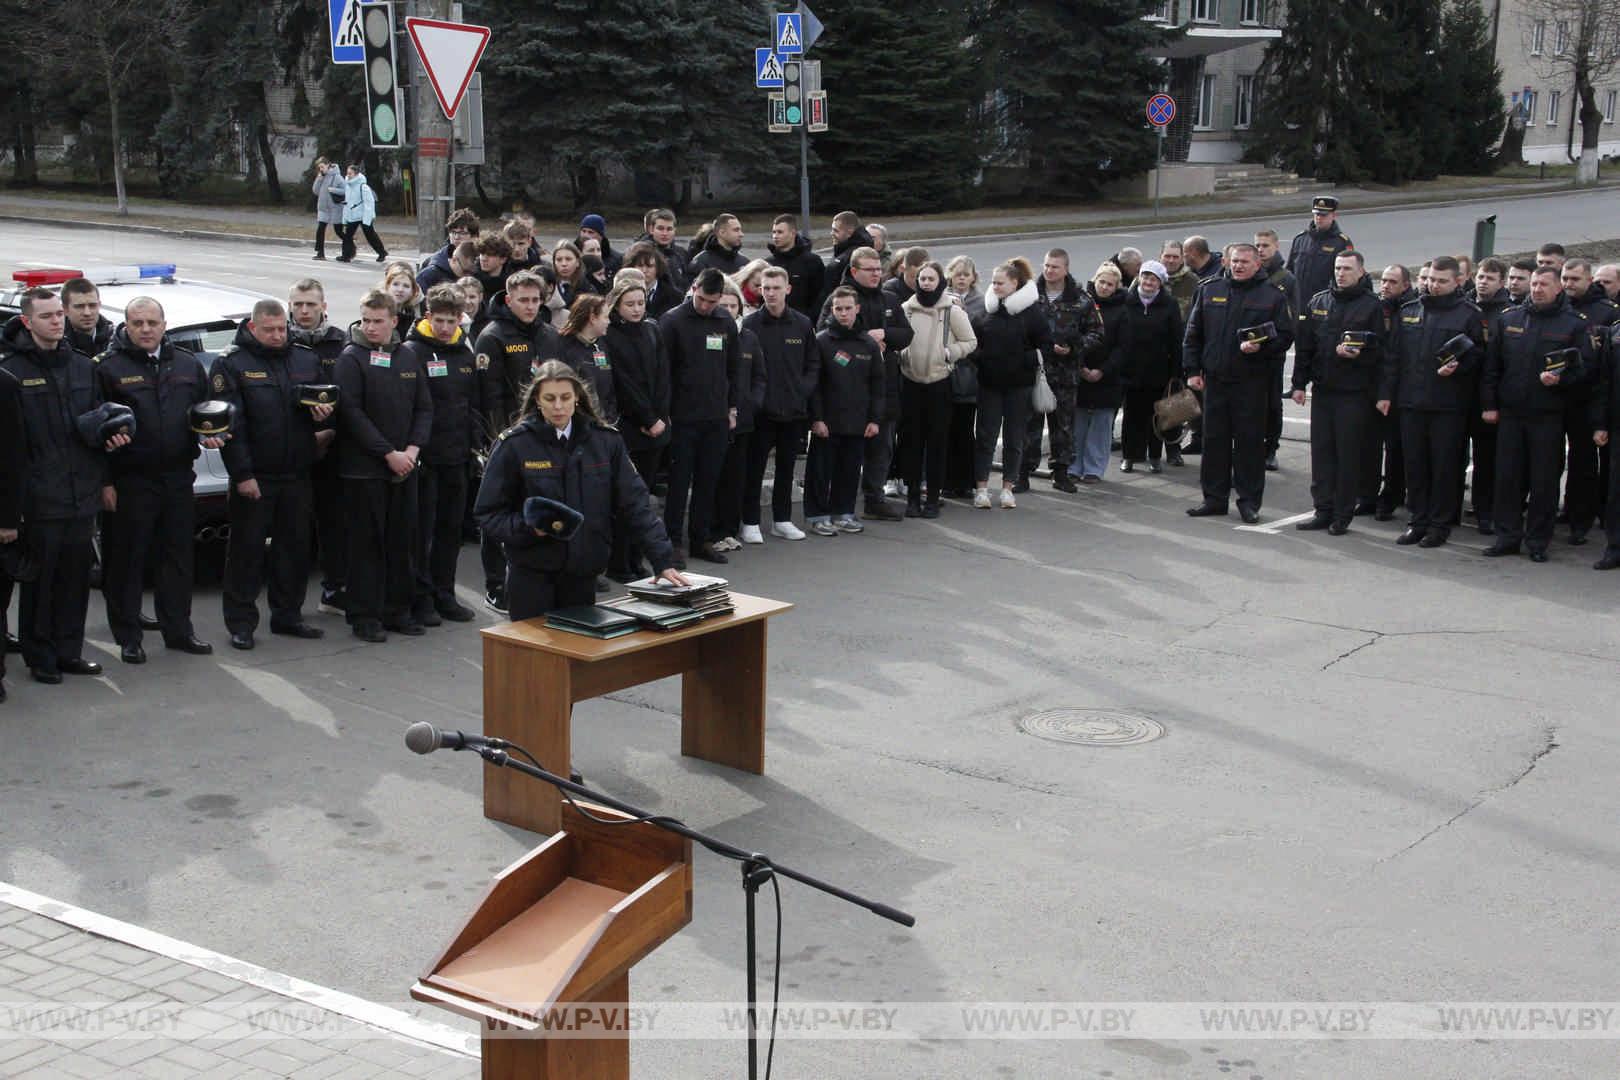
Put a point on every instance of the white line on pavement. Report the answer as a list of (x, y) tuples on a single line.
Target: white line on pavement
[(1275, 527)]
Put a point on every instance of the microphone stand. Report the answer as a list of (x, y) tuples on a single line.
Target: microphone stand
[(757, 869)]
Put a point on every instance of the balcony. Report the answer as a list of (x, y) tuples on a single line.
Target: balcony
[(1216, 26)]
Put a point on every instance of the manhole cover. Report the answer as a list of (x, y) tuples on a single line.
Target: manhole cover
[(1092, 727)]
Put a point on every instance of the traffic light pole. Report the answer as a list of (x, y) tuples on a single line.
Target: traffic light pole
[(804, 175), (434, 175)]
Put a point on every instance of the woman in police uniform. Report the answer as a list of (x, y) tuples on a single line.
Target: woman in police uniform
[(559, 450)]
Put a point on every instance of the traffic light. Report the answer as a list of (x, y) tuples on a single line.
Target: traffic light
[(382, 76), (793, 91)]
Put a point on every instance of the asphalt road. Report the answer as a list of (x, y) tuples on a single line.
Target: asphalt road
[(1387, 773)]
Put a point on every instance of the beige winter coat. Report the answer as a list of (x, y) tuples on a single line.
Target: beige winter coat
[(943, 336)]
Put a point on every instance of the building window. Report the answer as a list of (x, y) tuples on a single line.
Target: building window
[(1162, 12), (1205, 118), (1538, 36), (1561, 37), (1608, 107), (1207, 11), (1243, 106), (1553, 100), (1529, 102), (1252, 11)]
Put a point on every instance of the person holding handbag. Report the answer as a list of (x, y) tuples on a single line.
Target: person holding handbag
[(330, 192), (1149, 347), (942, 337)]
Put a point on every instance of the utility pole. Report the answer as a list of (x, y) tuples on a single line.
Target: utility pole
[(434, 176)]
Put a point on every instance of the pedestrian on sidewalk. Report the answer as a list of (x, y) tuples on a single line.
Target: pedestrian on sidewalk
[(330, 193), (359, 212)]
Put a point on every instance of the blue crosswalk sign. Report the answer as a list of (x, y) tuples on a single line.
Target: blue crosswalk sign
[(789, 35), (343, 21), (767, 69)]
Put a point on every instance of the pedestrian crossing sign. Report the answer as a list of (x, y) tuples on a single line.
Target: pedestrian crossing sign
[(767, 69), (789, 35), (348, 42)]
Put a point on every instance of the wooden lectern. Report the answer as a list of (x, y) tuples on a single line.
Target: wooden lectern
[(562, 927)]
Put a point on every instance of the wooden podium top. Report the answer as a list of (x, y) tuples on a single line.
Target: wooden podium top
[(534, 634)]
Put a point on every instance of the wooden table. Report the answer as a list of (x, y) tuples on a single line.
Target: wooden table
[(533, 676)]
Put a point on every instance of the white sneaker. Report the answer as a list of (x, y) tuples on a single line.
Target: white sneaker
[(1007, 500), (786, 530), (750, 535), (981, 498)]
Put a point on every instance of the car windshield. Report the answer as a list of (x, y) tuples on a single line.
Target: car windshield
[(207, 340)]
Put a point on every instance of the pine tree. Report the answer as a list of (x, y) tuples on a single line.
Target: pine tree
[(1474, 93), (1303, 120), (1070, 78), (899, 87)]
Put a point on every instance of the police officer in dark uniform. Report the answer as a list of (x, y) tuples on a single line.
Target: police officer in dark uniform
[(1313, 250), (1587, 479), (63, 488), (1605, 434), (268, 457), (516, 342), (1431, 369), (1235, 377), (461, 392), (386, 411), (558, 451), (306, 304), (1491, 296), (1543, 354), (1337, 351), (88, 330), (149, 501), (13, 474)]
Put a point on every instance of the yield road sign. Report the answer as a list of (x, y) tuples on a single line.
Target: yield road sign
[(788, 37), (450, 53), (1161, 109), (767, 70)]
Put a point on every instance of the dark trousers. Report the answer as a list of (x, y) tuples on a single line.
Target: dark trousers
[(493, 557), (347, 233), (1611, 517), (697, 451), (1432, 446), (441, 500), (1137, 438), (784, 438), (382, 542), (320, 236), (1235, 442), (532, 593), (330, 513), (1274, 406), (155, 517), (961, 446), (50, 618), (1482, 494), (1383, 470), (1338, 434), (926, 415), (5, 618), (728, 489), (1529, 455), (1003, 411), (878, 455), (832, 476), (281, 515), (1057, 425), (1582, 495)]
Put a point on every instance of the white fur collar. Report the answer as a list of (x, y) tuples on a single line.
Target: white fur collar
[(1016, 303)]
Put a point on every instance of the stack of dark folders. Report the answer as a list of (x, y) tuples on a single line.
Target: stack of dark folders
[(660, 602), (593, 620)]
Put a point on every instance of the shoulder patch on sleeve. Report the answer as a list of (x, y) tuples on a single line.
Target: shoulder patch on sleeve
[(483, 361), (219, 381)]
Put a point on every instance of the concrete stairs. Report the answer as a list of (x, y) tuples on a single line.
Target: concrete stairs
[(1241, 178)]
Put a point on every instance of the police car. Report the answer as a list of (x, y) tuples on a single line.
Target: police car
[(201, 316)]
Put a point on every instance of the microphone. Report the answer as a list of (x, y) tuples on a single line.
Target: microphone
[(423, 738)]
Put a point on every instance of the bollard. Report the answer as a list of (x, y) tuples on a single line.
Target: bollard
[(1484, 238)]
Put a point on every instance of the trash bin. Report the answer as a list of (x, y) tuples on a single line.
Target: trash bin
[(1484, 238)]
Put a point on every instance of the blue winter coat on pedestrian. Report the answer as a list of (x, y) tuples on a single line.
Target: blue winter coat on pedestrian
[(360, 203)]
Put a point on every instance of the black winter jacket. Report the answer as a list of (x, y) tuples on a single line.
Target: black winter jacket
[(1517, 355), (273, 435), (1223, 307), (751, 374), (849, 385), (1107, 392), (791, 361), (806, 273), (1310, 260), (674, 257), (879, 310), (1321, 330), (665, 296), (1605, 402), (13, 452), (1010, 332), (161, 392), (384, 405), (703, 364), (838, 272), (461, 393), (64, 474), (716, 255), (640, 380), (593, 363), (514, 351), (1410, 373), (593, 475), (1149, 341), (96, 343), (438, 270)]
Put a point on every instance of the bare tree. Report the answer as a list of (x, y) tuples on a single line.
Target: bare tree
[(103, 41), (1575, 43)]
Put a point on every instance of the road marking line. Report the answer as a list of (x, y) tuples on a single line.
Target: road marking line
[(1275, 527), (439, 1036), (283, 696)]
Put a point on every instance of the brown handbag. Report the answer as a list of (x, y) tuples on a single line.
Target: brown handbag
[(1178, 406)]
